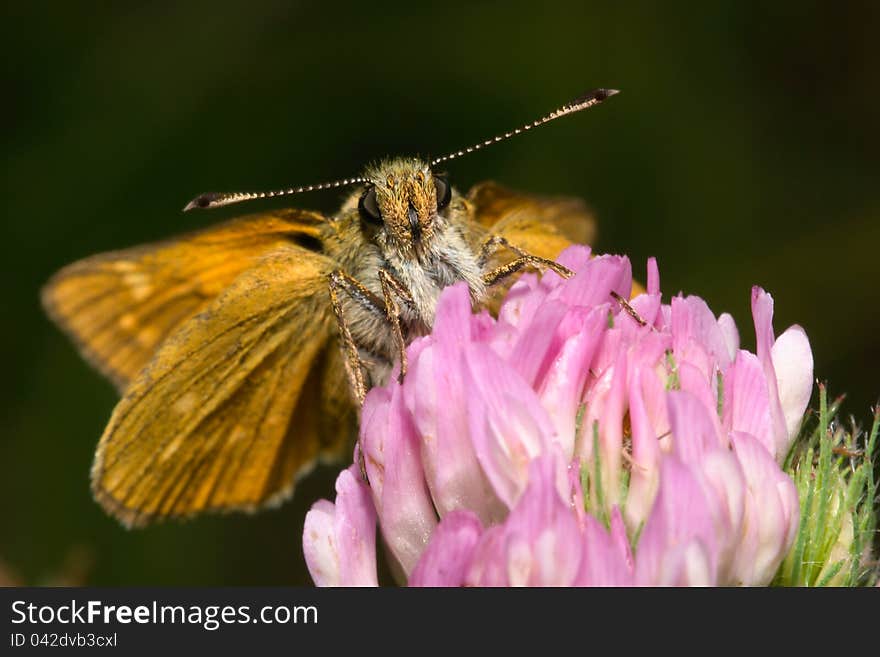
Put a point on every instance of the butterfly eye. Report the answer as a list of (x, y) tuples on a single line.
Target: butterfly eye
[(368, 206), (444, 192)]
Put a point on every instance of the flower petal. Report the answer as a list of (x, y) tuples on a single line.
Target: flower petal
[(607, 559), (392, 459), (562, 388), (721, 472), (645, 470), (746, 403), (339, 541), (506, 422), (762, 312), (653, 277), (793, 364), (731, 334), (611, 433), (772, 513), (541, 541), (691, 380), (696, 336), (678, 546), (371, 444), (594, 282), (539, 343), (522, 301), (436, 396), (647, 305), (319, 544), (488, 565), (448, 558), (693, 433)]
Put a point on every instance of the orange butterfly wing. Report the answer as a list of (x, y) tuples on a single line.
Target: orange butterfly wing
[(118, 307), (238, 401), (542, 226)]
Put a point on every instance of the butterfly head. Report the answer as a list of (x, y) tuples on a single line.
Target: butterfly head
[(403, 200)]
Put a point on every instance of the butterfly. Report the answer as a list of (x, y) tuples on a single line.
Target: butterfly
[(243, 351)]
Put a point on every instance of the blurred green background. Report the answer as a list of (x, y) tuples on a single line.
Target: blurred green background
[(743, 150)]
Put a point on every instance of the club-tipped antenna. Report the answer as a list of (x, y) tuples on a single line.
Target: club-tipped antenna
[(216, 200), (586, 101)]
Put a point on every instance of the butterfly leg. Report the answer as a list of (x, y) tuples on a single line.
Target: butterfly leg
[(392, 288), (523, 260), (342, 282), (628, 309)]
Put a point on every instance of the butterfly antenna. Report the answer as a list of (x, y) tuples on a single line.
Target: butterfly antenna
[(588, 100), (216, 200)]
